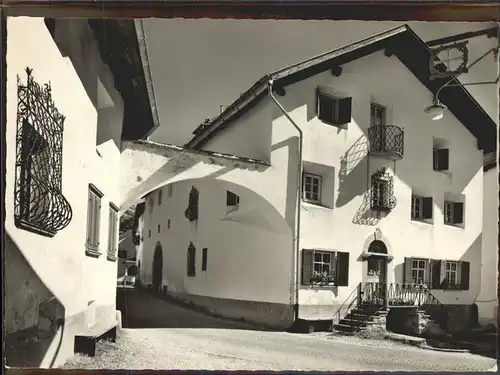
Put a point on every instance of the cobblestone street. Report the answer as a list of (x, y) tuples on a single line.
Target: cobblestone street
[(204, 342)]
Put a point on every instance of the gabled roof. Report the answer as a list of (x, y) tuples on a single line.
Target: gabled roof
[(400, 41)]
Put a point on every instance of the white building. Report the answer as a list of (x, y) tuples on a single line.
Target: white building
[(74, 92), (388, 195), (487, 300)]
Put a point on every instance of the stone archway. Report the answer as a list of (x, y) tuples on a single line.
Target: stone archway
[(377, 247), (157, 268)]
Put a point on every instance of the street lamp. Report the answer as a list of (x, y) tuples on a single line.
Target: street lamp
[(436, 110)]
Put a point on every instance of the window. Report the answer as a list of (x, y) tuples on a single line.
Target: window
[(382, 198), (122, 254), (453, 212), (377, 115), (332, 110), (39, 204), (232, 202), (191, 260), (149, 233), (421, 208), (440, 159), (451, 273), (325, 268), (168, 224), (112, 231), (418, 271), (191, 212), (311, 188), (170, 190), (204, 259), (93, 220), (160, 196), (159, 228)]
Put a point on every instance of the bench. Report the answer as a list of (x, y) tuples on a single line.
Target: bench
[(85, 342)]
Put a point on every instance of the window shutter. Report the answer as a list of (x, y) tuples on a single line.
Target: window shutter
[(427, 208), (465, 275), (97, 220), (345, 111), (434, 159), (458, 213), (90, 207), (436, 274), (443, 156), (407, 270), (342, 269), (204, 259), (307, 266), (333, 265)]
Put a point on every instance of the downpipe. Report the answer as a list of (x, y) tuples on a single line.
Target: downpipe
[(295, 261)]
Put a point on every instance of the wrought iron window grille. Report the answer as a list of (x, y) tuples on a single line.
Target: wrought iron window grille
[(191, 212), (386, 139), (382, 191), (39, 204)]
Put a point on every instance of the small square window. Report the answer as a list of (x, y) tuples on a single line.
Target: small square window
[(311, 188)]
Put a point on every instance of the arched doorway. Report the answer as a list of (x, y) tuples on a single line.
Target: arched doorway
[(376, 272), (157, 268)]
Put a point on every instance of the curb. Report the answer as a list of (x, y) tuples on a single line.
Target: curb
[(448, 350), (422, 343)]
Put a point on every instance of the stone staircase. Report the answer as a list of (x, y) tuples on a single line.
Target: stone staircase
[(360, 318)]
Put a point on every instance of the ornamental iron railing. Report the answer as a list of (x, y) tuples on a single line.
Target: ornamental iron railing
[(386, 139), (39, 204)]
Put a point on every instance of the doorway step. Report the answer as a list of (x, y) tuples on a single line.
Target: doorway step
[(361, 318)]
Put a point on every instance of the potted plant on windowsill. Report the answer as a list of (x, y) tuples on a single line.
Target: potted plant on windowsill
[(323, 279)]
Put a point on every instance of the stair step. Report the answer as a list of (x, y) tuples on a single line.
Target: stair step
[(352, 322), (344, 327)]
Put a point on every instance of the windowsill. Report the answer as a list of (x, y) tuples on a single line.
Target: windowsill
[(308, 204), (21, 224), (321, 286), (92, 253), (329, 123), (192, 275), (446, 173), (111, 258), (231, 209), (458, 226), (423, 221)]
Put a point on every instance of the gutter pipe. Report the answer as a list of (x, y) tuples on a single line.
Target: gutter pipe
[(296, 248)]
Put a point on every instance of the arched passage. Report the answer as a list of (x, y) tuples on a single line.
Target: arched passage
[(157, 268)]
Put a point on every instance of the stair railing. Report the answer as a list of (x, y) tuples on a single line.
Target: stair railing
[(349, 303)]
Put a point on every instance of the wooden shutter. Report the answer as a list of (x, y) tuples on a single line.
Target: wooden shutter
[(458, 213), (204, 259), (344, 111), (307, 266), (464, 275), (97, 220), (427, 208), (443, 156), (333, 265), (90, 207), (342, 269), (407, 279), (436, 274), (110, 230)]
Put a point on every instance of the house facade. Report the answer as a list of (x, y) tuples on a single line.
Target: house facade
[(70, 103), (388, 198), (487, 300)]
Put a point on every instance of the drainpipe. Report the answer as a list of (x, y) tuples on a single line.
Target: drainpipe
[(296, 247)]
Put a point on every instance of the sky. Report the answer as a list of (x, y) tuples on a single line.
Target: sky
[(200, 64)]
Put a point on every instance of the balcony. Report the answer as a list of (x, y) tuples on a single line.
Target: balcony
[(382, 192), (386, 141)]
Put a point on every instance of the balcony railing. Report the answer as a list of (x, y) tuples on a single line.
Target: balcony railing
[(386, 141), (402, 295)]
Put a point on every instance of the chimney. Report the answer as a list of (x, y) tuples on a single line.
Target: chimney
[(221, 108)]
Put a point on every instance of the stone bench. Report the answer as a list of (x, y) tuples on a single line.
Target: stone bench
[(85, 342)]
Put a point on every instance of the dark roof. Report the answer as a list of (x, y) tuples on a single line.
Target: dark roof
[(489, 161), (403, 43), (120, 50)]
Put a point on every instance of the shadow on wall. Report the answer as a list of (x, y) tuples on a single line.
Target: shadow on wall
[(33, 315)]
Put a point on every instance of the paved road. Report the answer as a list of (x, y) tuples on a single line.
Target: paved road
[(208, 343)]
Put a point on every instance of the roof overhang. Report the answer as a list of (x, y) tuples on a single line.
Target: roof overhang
[(125, 53), (400, 41)]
